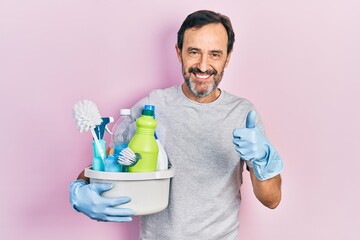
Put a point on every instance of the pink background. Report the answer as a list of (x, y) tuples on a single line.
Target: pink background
[(298, 61)]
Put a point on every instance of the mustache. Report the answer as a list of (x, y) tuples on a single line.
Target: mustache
[(197, 70)]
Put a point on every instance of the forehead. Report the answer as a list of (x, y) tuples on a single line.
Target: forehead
[(211, 36)]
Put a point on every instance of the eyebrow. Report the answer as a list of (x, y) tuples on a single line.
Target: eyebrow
[(192, 48), (216, 51), (198, 49)]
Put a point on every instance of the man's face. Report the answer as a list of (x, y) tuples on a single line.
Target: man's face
[(204, 58)]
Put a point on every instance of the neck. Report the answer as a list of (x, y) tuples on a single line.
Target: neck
[(211, 97)]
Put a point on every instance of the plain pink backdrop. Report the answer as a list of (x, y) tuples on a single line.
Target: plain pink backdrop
[(297, 61)]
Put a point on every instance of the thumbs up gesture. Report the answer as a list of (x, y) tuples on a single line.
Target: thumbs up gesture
[(255, 148)]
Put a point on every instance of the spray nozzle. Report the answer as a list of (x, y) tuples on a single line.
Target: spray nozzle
[(100, 129)]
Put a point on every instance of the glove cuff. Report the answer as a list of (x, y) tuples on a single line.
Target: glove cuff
[(270, 166)]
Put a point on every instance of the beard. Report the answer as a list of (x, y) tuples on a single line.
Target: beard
[(205, 87)]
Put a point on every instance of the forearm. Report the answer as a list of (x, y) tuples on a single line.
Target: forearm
[(268, 192), (82, 176)]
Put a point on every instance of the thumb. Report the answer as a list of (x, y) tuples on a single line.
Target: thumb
[(101, 187), (250, 119)]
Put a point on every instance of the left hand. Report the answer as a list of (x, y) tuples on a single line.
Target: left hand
[(256, 149), (86, 198)]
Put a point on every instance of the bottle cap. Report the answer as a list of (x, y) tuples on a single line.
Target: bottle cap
[(149, 107), (125, 111), (147, 112)]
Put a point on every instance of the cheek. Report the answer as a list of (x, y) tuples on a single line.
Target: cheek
[(190, 61), (219, 67), (188, 64)]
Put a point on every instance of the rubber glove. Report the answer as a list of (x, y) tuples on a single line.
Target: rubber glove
[(86, 198), (256, 149)]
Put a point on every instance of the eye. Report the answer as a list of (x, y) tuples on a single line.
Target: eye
[(215, 55), (193, 53)]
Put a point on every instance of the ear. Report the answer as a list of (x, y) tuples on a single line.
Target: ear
[(228, 59), (178, 53)]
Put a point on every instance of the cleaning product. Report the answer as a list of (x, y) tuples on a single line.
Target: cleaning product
[(100, 128), (98, 163), (162, 161), (87, 117), (111, 164), (144, 143), (128, 158), (123, 130)]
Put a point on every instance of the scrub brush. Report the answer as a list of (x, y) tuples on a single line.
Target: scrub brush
[(128, 158), (87, 117)]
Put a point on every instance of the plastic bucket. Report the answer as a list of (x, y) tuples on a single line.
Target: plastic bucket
[(149, 191)]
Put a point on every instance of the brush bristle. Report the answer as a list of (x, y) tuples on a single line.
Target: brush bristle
[(127, 157), (86, 115)]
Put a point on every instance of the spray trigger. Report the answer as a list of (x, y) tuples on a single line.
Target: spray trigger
[(108, 130)]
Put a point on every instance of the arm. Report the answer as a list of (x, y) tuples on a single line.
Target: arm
[(264, 162), (82, 176), (86, 197), (268, 192)]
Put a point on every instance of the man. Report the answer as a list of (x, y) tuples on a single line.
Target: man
[(210, 134)]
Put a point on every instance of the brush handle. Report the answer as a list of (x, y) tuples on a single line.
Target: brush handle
[(97, 143)]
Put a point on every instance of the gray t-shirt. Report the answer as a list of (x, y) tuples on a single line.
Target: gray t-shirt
[(205, 191)]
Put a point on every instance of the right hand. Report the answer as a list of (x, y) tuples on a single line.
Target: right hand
[(86, 198), (257, 150)]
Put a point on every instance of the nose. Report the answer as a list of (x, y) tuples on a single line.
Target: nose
[(203, 63)]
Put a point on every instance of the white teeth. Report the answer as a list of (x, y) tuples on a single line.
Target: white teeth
[(202, 76)]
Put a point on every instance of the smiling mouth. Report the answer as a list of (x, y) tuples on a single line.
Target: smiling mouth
[(202, 75)]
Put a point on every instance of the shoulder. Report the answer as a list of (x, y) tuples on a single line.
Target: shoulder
[(233, 100), (165, 93), (240, 107), (157, 97)]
